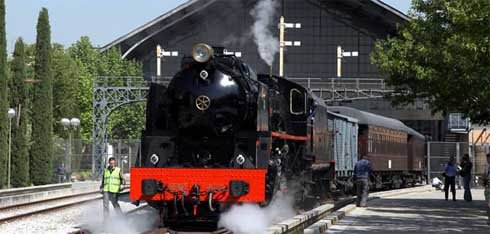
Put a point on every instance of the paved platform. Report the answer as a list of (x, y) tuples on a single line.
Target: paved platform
[(425, 212)]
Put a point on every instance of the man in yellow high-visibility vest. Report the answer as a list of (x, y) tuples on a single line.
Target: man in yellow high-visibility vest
[(112, 182)]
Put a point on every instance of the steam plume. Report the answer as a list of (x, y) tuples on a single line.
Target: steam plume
[(263, 14), (252, 219)]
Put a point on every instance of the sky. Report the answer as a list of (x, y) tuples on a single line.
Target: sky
[(102, 20)]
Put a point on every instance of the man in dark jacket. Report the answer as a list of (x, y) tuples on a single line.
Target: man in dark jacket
[(61, 172), (362, 172), (466, 167)]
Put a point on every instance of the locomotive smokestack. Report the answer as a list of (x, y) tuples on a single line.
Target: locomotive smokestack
[(270, 71)]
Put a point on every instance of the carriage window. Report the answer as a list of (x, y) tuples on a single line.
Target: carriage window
[(296, 102)]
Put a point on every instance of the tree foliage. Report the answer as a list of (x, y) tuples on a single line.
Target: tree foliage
[(125, 122), (3, 97), (42, 112), (442, 56), (65, 89), (86, 58), (18, 100)]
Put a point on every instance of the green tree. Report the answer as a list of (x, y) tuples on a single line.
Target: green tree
[(442, 56), (3, 97), (125, 122), (65, 105), (18, 100), (65, 89), (87, 58), (42, 112)]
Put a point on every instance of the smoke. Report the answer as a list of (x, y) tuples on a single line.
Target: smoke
[(252, 219), (234, 41), (137, 222), (263, 14)]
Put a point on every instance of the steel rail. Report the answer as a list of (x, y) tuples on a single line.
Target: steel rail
[(51, 207)]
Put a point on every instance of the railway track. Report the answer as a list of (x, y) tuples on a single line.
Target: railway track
[(296, 224), (18, 211), (168, 231)]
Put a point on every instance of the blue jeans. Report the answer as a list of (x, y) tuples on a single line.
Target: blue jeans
[(466, 185), (362, 192)]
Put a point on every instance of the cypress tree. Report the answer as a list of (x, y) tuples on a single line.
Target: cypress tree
[(42, 109), (18, 100), (3, 98)]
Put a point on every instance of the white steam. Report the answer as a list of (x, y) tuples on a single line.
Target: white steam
[(92, 220), (234, 41), (252, 219), (263, 14)]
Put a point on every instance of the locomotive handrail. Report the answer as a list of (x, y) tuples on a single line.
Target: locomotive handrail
[(289, 137)]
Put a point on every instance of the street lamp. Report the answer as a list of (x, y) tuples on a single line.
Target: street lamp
[(69, 124), (11, 115)]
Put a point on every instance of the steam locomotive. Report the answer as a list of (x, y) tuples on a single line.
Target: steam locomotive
[(219, 134)]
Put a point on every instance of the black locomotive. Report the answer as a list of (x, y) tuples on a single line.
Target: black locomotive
[(220, 134)]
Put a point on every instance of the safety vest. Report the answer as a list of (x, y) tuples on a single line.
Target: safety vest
[(112, 181)]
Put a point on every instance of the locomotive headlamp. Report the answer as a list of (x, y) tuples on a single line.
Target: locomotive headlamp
[(201, 53)]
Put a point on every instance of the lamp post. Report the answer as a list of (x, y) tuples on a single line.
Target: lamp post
[(11, 114), (69, 124)]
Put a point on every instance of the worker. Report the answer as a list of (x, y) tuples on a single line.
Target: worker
[(362, 172), (112, 182)]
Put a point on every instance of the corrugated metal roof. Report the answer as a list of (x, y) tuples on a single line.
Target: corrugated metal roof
[(349, 119), (136, 37), (149, 29), (375, 120)]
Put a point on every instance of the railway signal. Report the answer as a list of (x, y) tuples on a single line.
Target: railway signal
[(162, 53), (341, 54), (283, 43)]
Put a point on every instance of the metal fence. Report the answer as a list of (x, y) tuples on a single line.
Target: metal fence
[(438, 154), (77, 156)]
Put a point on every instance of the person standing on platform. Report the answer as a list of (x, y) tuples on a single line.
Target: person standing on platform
[(450, 173), (61, 172), (362, 172), (112, 182), (486, 180), (466, 167)]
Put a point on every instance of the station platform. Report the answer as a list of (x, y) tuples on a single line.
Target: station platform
[(424, 212)]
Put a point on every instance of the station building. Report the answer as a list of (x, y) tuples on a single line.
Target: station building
[(354, 25)]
